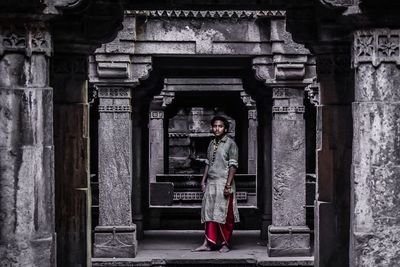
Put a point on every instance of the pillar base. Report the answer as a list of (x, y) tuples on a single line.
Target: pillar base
[(115, 241), (265, 223), (288, 241)]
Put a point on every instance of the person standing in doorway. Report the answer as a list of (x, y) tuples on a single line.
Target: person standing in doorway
[(219, 208)]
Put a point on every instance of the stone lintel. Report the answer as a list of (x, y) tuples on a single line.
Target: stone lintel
[(288, 241), (209, 14), (115, 241)]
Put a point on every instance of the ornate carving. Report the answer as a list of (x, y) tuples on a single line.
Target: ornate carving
[(29, 38), (110, 93), (166, 97), (214, 14), (376, 46), (313, 93), (252, 114), (156, 115), (93, 94), (115, 108), (114, 241), (288, 109), (122, 92), (247, 100), (198, 196), (281, 93)]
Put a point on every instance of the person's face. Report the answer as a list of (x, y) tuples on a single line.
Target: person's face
[(218, 128)]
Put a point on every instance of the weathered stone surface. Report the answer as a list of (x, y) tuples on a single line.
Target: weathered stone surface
[(292, 240), (376, 187), (115, 242), (288, 172), (377, 84), (27, 179), (115, 169)]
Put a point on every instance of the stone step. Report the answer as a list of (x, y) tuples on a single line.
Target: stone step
[(173, 248)]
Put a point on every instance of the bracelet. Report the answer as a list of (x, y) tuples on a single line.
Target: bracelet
[(228, 186)]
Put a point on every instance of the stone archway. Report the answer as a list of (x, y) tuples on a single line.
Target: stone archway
[(167, 37)]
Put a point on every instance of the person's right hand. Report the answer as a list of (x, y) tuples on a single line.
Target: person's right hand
[(203, 187)]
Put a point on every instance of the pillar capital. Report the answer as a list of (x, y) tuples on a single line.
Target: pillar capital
[(30, 36), (375, 46)]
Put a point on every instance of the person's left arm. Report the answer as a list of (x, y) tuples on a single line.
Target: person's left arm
[(233, 155)]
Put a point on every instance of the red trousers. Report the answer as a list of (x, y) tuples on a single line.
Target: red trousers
[(222, 232)]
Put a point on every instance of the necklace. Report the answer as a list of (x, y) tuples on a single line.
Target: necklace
[(216, 144)]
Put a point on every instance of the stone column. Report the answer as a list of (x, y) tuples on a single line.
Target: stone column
[(265, 193), (26, 148), (137, 179), (375, 205), (288, 235), (156, 146), (72, 185), (333, 156), (115, 236), (252, 141)]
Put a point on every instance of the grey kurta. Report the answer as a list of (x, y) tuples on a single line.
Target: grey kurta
[(215, 204)]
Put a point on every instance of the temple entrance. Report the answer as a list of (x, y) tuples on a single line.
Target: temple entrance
[(153, 129), (178, 141)]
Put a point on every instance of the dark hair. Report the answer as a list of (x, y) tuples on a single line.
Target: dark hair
[(223, 119)]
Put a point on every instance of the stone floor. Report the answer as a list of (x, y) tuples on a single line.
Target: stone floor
[(172, 248)]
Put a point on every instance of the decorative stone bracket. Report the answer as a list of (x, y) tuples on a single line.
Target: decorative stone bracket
[(283, 69), (123, 68), (313, 93)]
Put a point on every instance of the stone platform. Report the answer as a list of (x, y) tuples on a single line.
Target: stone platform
[(173, 248)]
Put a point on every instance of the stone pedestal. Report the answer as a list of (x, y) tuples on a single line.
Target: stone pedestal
[(115, 236), (115, 241), (288, 235), (288, 240)]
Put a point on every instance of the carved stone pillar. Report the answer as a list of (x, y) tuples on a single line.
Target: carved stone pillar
[(156, 146), (252, 141), (375, 205), (288, 235), (115, 236), (71, 133), (26, 148)]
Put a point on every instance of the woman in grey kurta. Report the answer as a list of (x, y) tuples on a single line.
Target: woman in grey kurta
[(219, 208)]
